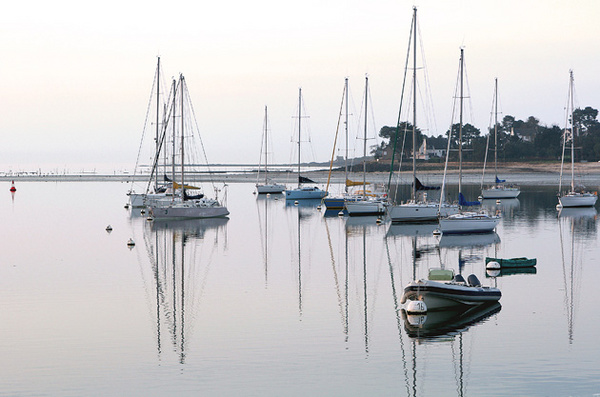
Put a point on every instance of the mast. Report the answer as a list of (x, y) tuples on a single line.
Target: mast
[(157, 116), (299, 130), (173, 109), (414, 137), (266, 143), (496, 129), (365, 138), (346, 127), (572, 131), (182, 140), (460, 122)]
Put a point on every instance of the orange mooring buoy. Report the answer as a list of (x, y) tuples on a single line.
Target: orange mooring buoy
[(13, 188)]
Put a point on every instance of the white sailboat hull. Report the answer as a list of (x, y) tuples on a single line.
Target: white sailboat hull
[(305, 193), (189, 209), (365, 207), (573, 199), (500, 192), (420, 212), (470, 222), (270, 188)]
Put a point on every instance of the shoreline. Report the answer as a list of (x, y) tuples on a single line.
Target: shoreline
[(518, 173)]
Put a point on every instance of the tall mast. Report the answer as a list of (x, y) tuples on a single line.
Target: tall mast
[(572, 131), (365, 137), (157, 115), (182, 140), (346, 127), (414, 137), (266, 143), (173, 109), (299, 129), (496, 129), (460, 122)]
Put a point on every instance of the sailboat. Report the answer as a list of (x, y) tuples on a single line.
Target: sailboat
[(499, 190), (267, 187), (577, 196), (418, 210), (465, 221), (337, 202), (303, 192), (155, 189), (366, 205), (183, 205)]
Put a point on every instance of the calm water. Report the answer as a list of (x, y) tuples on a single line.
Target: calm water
[(281, 300)]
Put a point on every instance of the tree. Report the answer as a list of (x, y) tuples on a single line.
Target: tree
[(405, 137)]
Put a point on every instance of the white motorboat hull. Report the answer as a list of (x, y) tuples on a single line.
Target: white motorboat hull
[(305, 193), (420, 212), (468, 223), (578, 200), (364, 207), (500, 192), (270, 188), (437, 295)]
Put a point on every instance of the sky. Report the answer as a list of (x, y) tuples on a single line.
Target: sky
[(75, 77)]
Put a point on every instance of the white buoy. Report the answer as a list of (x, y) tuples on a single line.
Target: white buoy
[(437, 232), (493, 265), (498, 201), (296, 202), (149, 219), (130, 242), (341, 213), (142, 212), (109, 228), (480, 198), (416, 307), (268, 195)]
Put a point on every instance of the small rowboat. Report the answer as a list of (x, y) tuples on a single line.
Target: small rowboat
[(512, 262)]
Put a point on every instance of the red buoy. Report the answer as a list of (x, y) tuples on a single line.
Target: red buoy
[(13, 188)]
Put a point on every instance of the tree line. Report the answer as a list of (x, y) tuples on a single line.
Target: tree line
[(518, 140)]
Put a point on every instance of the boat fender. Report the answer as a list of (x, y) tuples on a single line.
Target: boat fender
[(473, 281)]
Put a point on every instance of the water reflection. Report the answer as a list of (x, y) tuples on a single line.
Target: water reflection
[(576, 226), (179, 254), (448, 327)]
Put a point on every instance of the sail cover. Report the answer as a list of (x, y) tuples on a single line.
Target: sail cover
[(420, 186), (464, 203), (355, 183), (303, 179), (500, 180)]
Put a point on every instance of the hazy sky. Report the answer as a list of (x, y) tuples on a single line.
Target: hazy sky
[(75, 76)]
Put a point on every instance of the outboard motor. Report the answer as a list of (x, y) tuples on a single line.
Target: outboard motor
[(473, 281), (459, 279)]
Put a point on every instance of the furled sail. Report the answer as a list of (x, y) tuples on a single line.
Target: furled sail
[(420, 186), (464, 203)]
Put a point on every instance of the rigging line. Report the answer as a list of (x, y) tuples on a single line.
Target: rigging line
[(487, 143), (197, 131), (337, 130), (442, 191), (429, 97), (400, 109), (137, 160)]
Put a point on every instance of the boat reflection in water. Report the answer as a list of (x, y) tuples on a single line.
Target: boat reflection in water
[(469, 240), (175, 273), (439, 324)]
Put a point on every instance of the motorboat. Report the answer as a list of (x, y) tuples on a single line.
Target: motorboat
[(440, 295)]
